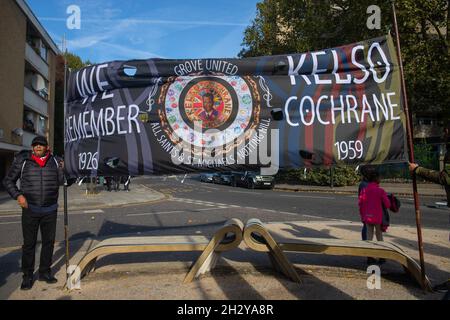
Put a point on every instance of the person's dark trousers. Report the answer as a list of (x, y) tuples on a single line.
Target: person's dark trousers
[(364, 232), (31, 223)]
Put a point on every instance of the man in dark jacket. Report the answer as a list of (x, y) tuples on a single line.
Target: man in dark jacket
[(439, 177), (40, 175), (442, 178)]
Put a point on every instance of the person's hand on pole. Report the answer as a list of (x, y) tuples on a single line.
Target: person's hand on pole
[(22, 201), (412, 166)]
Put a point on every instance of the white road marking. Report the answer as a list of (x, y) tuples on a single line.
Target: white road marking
[(13, 222), (247, 192), (94, 211), (11, 216), (206, 209), (309, 216), (328, 219), (312, 197), (198, 202), (288, 213), (59, 214)]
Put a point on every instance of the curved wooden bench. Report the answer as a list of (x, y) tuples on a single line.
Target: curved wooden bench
[(226, 238), (258, 238)]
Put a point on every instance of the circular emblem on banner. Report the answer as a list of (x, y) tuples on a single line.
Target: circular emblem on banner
[(210, 102), (209, 111)]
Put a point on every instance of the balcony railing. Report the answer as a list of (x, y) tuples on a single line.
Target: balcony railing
[(34, 59), (35, 102)]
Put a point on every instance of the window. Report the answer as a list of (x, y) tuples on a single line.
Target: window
[(37, 83), (28, 121), (43, 51), (41, 125), (34, 122), (44, 92)]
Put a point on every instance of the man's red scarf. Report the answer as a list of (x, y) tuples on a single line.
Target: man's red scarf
[(41, 161)]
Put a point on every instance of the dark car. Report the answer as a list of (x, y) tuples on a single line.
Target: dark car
[(252, 180), (223, 178), (206, 177), (216, 178)]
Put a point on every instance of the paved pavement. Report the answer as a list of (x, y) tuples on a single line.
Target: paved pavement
[(170, 207)]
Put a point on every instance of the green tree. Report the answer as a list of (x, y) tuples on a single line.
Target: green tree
[(293, 26)]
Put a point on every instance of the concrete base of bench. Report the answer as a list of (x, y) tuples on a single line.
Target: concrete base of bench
[(226, 238), (258, 238)]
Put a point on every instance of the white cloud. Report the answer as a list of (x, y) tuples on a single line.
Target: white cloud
[(124, 52), (155, 21)]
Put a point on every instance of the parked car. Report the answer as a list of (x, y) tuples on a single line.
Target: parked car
[(216, 178), (252, 180), (224, 178), (206, 177)]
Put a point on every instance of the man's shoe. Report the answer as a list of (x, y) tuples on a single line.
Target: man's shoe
[(27, 283), (47, 277)]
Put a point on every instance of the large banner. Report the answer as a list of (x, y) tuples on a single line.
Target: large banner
[(337, 106)]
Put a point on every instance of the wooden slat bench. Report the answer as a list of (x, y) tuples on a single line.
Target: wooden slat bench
[(258, 238), (226, 238)]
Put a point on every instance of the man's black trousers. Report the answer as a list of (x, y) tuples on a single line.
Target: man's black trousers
[(30, 225)]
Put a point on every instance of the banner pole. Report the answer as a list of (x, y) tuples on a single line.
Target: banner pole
[(409, 133), (66, 216)]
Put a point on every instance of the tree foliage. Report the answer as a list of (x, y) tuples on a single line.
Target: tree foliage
[(293, 26)]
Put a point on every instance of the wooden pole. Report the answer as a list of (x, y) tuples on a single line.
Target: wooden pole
[(66, 216), (409, 133)]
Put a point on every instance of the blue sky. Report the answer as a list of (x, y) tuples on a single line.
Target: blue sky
[(142, 29)]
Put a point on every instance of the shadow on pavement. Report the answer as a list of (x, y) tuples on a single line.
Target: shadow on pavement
[(74, 247), (310, 288), (391, 270), (238, 289), (10, 268)]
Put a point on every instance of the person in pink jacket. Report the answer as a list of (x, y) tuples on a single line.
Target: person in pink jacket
[(371, 201)]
